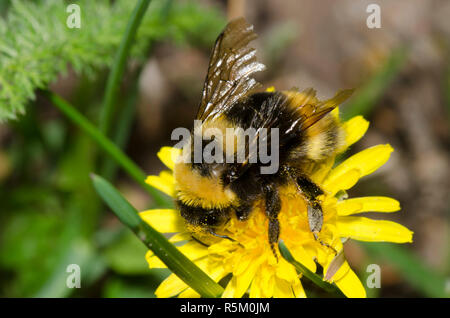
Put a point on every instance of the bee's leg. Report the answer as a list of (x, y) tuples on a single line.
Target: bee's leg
[(315, 214), (273, 207), (211, 231), (315, 217), (199, 241), (315, 220)]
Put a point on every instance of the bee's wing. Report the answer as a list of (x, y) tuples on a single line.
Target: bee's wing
[(231, 64), (312, 113), (308, 111)]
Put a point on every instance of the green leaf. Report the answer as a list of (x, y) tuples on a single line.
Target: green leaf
[(419, 275), (161, 247)]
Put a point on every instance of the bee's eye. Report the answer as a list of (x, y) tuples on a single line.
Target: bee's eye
[(210, 218), (213, 217), (230, 176)]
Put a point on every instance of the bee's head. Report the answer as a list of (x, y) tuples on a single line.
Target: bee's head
[(202, 198), (201, 185), (204, 218)]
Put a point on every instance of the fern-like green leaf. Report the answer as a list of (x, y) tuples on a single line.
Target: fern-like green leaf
[(36, 45)]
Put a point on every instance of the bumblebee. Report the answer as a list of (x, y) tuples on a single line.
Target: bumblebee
[(209, 194)]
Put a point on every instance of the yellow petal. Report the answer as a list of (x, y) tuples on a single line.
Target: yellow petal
[(238, 285), (244, 262), (298, 290), (164, 220), (304, 257), (365, 229), (230, 290), (173, 285), (193, 250), (267, 280), (367, 204), (255, 288), (354, 129), (178, 237), (335, 112), (170, 287), (164, 182), (319, 174), (244, 280), (222, 247), (341, 272), (362, 163), (270, 89), (282, 289), (350, 285), (168, 156), (153, 261), (189, 293), (215, 270), (336, 268), (342, 182), (286, 271)]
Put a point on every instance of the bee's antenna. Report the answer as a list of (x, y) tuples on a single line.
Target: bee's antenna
[(210, 231), (198, 241), (316, 236)]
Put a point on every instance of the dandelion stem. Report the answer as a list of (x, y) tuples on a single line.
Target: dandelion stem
[(108, 146)]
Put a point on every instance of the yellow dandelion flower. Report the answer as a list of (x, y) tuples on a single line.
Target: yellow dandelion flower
[(249, 259)]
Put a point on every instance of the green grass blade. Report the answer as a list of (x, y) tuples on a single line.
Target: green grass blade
[(118, 68), (108, 146), (126, 114), (121, 134), (313, 277), (167, 252), (410, 267)]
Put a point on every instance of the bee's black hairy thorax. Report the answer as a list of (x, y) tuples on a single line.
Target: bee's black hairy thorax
[(272, 109), (260, 110)]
